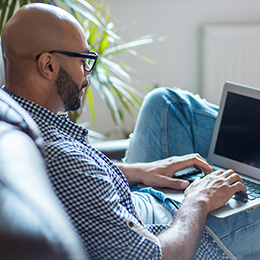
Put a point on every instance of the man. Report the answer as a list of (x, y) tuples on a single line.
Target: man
[(45, 54)]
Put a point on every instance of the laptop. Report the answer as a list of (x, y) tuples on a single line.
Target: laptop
[(235, 145)]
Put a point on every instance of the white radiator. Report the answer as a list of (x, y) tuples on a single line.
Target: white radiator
[(230, 53)]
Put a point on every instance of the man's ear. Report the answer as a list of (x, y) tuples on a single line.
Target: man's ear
[(48, 66)]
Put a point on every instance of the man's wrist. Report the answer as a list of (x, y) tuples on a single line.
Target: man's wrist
[(132, 172), (198, 203)]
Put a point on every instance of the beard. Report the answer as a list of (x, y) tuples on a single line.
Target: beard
[(69, 91)]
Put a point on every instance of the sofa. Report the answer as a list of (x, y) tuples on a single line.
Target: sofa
[(33, 224), (114, 149)]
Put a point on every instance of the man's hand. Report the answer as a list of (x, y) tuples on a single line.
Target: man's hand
[(181, 240), (215, 189), (161, 173)]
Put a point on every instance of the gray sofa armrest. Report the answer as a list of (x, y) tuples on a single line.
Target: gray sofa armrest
[(114, 149)]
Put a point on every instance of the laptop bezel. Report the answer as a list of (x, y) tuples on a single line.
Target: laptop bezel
[(221, 161)]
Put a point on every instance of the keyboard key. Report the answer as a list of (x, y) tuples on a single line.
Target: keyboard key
[(250, 197), (253, 189), (190, 175)]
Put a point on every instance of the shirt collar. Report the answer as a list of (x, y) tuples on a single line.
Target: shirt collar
[(45, 117)]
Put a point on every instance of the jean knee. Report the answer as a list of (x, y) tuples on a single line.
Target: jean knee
[(155, 96), (160, 97)]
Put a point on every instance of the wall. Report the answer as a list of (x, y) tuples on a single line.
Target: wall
[(180, 56)]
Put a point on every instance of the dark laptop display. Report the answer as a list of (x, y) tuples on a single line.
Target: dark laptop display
[(239, 133)]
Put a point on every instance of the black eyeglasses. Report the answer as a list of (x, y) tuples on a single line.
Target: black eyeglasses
[(89, 63)]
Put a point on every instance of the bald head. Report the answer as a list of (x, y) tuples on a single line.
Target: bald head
[(37, 28)]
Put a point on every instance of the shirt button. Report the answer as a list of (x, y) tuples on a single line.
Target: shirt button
[(131, 224)]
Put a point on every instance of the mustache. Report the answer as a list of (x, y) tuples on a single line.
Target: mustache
[(85, 83)]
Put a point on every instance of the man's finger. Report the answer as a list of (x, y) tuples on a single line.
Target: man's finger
[(169, 182)]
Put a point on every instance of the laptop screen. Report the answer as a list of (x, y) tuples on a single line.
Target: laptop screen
[(239, 132)]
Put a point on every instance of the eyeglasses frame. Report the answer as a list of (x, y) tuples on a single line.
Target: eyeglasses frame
[(89, 55)]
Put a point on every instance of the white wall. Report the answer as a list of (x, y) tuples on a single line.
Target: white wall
[(180, 56)]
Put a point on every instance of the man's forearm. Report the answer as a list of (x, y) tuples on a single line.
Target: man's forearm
[(181, 240)]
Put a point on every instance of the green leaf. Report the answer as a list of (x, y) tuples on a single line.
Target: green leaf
[(3, 12), (88, 5), (99, 81), (81, 10), (111, 103), (11, 10), (91, 106), (116, 69), (125, 92), (129, 45), (23, 2)]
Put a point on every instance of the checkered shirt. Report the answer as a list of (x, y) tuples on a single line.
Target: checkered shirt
[(96, 195)]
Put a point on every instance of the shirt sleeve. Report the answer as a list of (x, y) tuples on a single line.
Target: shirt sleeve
[(157, 229), (98, 203)]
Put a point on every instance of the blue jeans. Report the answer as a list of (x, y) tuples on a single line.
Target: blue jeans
[(176, 122), (172, 123)]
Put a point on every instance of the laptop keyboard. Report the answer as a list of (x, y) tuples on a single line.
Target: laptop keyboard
[(253, 188)]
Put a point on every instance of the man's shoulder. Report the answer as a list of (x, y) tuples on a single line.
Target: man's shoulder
[(72, 153)]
